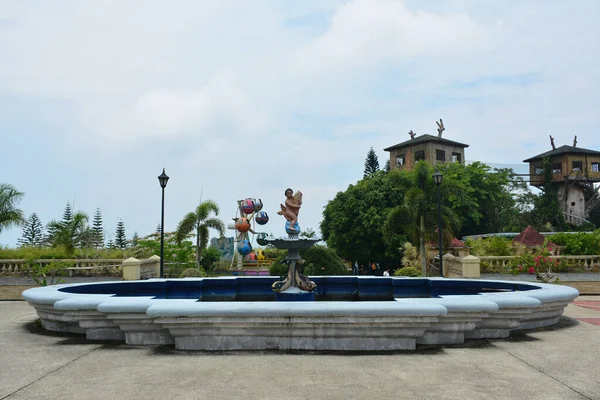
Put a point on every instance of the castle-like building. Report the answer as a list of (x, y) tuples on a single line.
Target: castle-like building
[(431, 149), (574, 169)]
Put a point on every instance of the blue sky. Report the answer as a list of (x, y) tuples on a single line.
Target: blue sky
[(244, 99)]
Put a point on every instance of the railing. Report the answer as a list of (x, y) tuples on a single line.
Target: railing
[(585, 262), (104, 265), (575, 220)]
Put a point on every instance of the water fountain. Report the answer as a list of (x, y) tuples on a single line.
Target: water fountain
[(357, 313)]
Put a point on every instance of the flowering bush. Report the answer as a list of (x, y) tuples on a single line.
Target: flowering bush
[(541, 261)]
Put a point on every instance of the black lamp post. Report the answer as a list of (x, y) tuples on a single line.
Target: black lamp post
[(162, 179), (437, 178)]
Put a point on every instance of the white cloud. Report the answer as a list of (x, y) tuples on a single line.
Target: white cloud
[(247, 99)]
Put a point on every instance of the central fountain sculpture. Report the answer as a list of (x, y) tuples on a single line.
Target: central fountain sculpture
[(296, 286)]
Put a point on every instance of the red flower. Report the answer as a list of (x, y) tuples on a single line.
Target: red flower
[(531, 270)]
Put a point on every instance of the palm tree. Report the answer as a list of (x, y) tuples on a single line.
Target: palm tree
[(10, 215), (417, 215), (200, 221), (69, 233)]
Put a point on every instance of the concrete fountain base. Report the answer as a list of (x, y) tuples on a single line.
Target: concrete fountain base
[(112, 312)]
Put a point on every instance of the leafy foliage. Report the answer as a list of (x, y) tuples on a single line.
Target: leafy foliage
[(10, 215), (352, 221), (47, 275), (321, 260), (580, 243), (408, 271), (193, 273), (200, 221), (210, 258), (493, 246), (69, 232)]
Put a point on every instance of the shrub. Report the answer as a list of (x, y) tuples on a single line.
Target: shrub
[(408, 271), (193, 273), (321, 260), (578, 243), (411, 256), (493, 246), (278, 268), (47, 275), (210, 257)]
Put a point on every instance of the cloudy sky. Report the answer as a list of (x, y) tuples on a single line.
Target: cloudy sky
[(246, 98)]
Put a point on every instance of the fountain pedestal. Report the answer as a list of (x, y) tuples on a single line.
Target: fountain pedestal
[(295, 286)]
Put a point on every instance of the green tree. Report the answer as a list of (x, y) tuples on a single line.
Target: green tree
[(70, 231), (98, 229), (120, 238), (200, 221), (33, 232), (386, 166), (135, 239), (308, 233), (352, 221), (371, 164), (10, 215), (417, 216), (485, 200), (321, 260)]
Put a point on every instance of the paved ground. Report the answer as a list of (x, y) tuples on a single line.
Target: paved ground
[(558, 363)]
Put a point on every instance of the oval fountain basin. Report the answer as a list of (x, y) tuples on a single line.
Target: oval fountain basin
[(354, 313)]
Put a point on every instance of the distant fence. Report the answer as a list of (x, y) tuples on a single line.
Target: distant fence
[(103, 266), (583, 262)]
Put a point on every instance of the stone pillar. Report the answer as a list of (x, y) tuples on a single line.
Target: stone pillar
[(156, 260), (470, 267), (447, 259), (131, 269)]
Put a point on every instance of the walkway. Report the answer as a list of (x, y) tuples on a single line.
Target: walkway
[(553, 364)]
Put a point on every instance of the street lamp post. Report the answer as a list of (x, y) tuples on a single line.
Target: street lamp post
[(162, 179), (437, 178)]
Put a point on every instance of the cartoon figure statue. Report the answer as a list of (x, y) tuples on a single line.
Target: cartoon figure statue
[(290, 210)]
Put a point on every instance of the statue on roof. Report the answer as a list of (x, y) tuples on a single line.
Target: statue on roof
[(575, 141), (412, 134), (552, 142), (441, 128)]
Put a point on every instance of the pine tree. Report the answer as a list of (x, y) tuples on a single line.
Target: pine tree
[(134, 239), (386, 168), (110, 244), (120, 238), (158, 228), (98, 230), (33, 232), (371, 164), (67, 214)]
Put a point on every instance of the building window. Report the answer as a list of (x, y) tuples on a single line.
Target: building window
[(539, 170), (556, 168), (419, 155), (440, 155), (456, 157), (577, 165), (595, 167), (400, 159)]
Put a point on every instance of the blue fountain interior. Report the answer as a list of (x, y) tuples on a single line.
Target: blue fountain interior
[(330, 288)]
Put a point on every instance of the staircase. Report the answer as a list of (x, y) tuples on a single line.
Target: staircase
[(575, 220)]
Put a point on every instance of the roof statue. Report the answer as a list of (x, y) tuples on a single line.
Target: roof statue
[(552, 142), (441, 128), (412, 134), (575, 141)]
